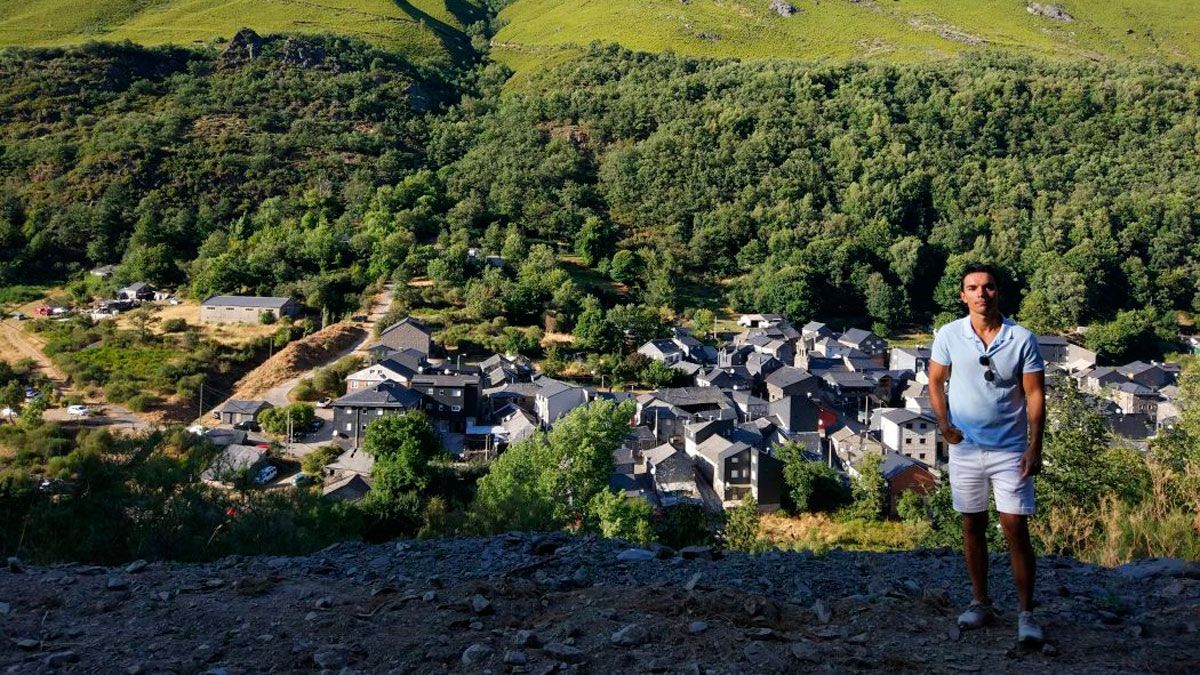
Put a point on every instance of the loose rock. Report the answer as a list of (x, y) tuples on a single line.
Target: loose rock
[(480, 604), (635, 555), (697, 627), (60, 659), (476, 654), (527, 638), (824, 614), (565, 653), (136, 566), (629, 635), (15, 566), (513, 657), (117, 584)]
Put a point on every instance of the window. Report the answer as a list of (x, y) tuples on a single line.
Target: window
[(922, 426), (349, 426), (457, 393), (733, 460), (908, 426), (922, 441), (429, 406), (922, 456), (455, 408), (379, 412), (734, 473), (908, 441)]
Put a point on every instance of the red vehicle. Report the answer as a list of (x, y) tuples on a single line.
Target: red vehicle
[(43, 310)]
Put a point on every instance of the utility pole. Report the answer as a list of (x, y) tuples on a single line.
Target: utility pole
[(200, 413)]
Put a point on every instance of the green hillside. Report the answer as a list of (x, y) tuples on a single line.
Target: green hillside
[(892, 30), (417, 28)]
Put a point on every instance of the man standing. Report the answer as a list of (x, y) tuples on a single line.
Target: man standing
[(994, 427)]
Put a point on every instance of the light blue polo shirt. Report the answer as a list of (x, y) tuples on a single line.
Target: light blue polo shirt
[(990, 414)]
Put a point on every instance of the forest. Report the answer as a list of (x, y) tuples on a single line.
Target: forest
[(813, 190)]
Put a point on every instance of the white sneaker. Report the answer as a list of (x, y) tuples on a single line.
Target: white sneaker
[(978, 615), (1028, 632)]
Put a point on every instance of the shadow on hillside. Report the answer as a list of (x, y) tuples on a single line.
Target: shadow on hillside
[(465, 12), (454, 41)]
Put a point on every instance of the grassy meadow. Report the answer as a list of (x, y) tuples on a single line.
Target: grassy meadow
[(417, 28), (894, 31)]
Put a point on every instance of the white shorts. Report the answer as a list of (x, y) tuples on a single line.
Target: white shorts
[(973, 467)]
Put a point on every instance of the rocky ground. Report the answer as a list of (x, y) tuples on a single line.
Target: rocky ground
[(539, 604)]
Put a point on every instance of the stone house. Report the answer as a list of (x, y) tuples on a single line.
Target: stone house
[(245, 308), (353, 412), (911, 434), (407, 333)]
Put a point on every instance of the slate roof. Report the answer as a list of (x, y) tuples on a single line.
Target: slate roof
[(856, 336), (718, 447), (676, 467), (894, 464), (245, 301), (900, 415), (233, 460), (354, 461), (689, 396), (386, 394), (410, 321), (787, 376), (351, 488), (243, 407)]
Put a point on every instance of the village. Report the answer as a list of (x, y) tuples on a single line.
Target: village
[(839, 395)]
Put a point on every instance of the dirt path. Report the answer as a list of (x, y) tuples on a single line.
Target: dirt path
[(16, 344), (275, 379)]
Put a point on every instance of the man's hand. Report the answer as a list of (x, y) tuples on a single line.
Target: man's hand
[(952, 435), (1031, 463)]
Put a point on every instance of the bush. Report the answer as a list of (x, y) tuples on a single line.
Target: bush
[(141, 402), (315, 462), (685, 525), (176, 325), (742, 528), (305, 391), (120, 391), (617, 517), (266, 318), (275, 420)]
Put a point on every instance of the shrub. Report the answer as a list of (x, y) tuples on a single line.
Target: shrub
[(315, 462), (266, 318), (176, 325), (305, 391), (617, 517), (141, 402)]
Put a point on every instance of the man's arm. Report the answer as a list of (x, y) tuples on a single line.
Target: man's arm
[(1034, 385), (938, 375)]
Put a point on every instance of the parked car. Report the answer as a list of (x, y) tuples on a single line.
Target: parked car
[(302, 479), (19, 316), (247, 425), (266, 474), (316, 424), (7, 413), (31, 393), (324, 402), (78, 410), (197, 429), (216, 414)]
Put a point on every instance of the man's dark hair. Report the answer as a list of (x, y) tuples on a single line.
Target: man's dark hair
[(972, 268)]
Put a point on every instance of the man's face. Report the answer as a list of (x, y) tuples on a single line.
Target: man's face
[(979, 293)]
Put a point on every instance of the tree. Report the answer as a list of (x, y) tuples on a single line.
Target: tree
[(704, 322), (403, 446), (869, 490), (594, 240), (742, 527), (616, 516), (548, 480), (658, 374), (635, 323), (593, 331), (813, 486), (276, 420), (625, 267)]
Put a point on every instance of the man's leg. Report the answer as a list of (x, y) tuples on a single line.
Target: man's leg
[(975, 551), (1016, 532)]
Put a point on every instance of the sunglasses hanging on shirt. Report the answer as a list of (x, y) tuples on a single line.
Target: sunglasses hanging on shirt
[(988, 374)]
